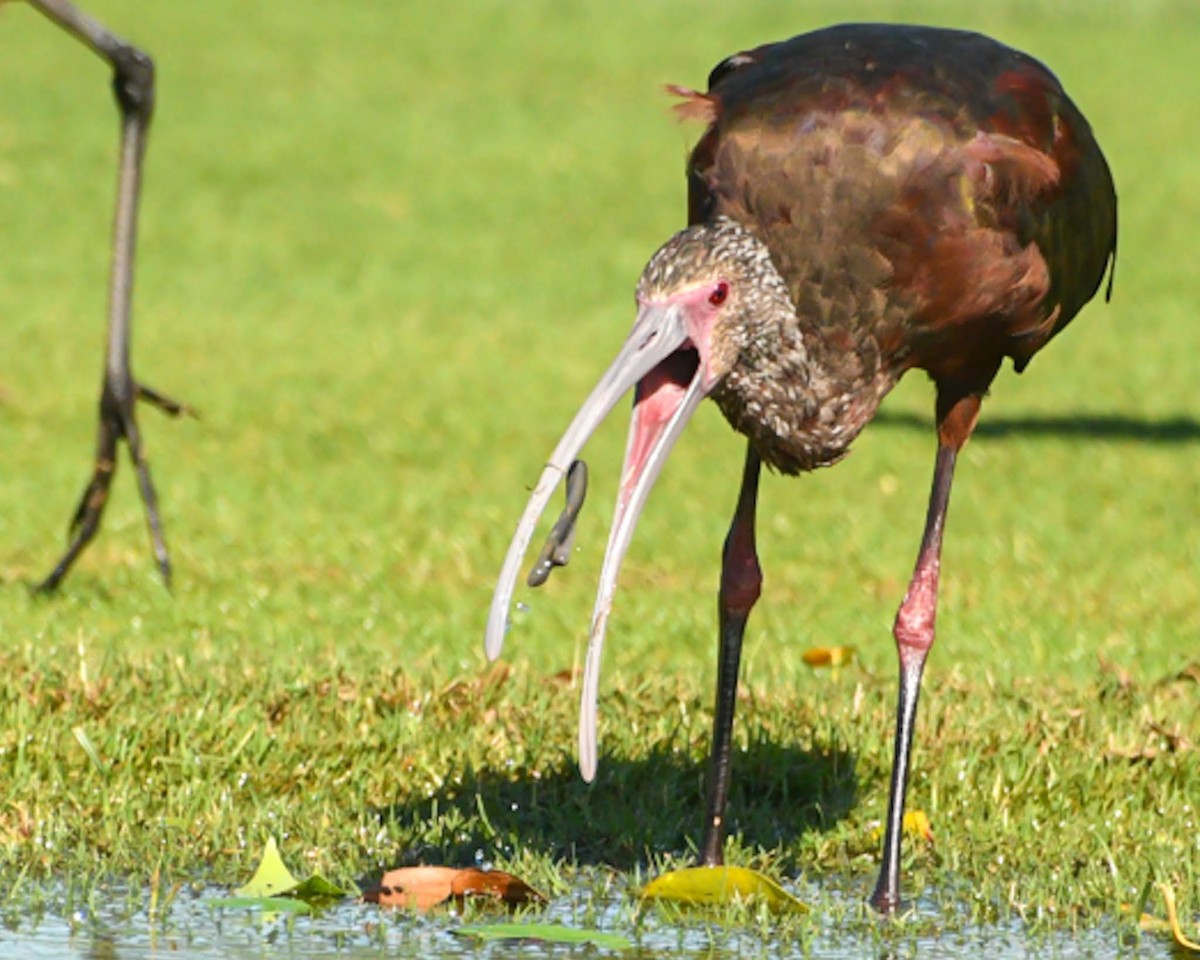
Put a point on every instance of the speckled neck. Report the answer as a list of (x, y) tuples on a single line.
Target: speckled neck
[(800, 398)]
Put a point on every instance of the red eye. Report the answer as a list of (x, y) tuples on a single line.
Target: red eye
[(719, 293)]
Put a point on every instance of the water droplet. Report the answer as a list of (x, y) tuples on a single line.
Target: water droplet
[(522, 607)]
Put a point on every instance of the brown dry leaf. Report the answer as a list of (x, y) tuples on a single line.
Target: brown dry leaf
[(1123, 678), (1176, 741), (1173, 739), (828, 656), (494, 883), (467, 694), (1144, 754), (419, 888), (415, 888), (1189, 674)]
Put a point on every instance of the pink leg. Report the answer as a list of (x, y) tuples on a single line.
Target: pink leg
[(741, 583), (914, 632)]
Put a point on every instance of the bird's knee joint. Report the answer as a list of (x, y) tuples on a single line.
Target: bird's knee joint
[(741, 584), (914, 627), (917, 617), (133, 81)]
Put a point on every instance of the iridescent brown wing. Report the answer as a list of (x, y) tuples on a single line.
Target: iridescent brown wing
[(928, 193)]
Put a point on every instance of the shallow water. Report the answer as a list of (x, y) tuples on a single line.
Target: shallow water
[(117, 927)]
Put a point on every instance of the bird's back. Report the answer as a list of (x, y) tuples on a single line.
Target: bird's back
[(932, 197)]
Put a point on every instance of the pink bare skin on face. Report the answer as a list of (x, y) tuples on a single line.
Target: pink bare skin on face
[(658, 396), (662, 390)]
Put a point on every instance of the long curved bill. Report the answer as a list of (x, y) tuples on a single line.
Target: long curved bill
[(660, 360)]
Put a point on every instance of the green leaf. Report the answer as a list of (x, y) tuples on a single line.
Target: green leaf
[(266, 904), (273, 887), (271, 878), (545, 933), (719, 885), (317, 888)]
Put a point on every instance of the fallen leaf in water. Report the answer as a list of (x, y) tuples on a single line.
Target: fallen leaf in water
[(274, 888), (266, 904), (472, 882), (817, 657), (719, 885), (543, 933), (419, 888), (272, 877), (415, 888), (317, 888)]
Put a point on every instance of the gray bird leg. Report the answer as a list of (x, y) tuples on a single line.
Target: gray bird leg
[(741, 584), (914, 633), (133, 85)]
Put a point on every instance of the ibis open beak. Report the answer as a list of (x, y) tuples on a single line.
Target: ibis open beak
[(669, 370)]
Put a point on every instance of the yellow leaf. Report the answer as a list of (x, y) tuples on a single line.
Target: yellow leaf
[(1168, 895), (272, 878), (718, 885), (916, 826), (1153, 924), (828, 656)]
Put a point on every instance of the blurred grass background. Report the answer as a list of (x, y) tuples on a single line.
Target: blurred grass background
[(386, 250)]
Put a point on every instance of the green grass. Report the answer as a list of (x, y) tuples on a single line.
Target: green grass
[(386, 251)]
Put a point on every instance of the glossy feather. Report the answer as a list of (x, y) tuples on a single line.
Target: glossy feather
[(932, 199)]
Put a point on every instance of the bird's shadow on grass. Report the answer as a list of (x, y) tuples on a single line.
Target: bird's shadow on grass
[(636, 810), (1083, 426)]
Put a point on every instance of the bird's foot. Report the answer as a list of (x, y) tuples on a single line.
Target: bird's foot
[(117, 422), (885, 902)]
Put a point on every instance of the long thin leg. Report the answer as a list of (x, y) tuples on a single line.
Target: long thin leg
[(914, 633), (133, 85), (741, 584)]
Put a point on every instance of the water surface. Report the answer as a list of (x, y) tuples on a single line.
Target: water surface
[(115, 925)]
